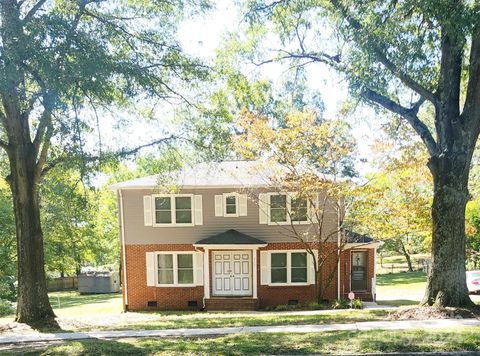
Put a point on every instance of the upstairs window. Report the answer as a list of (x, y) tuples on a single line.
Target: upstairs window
[(173, 210), (299, 209), (283, 209), (278, 208), (230, 203)]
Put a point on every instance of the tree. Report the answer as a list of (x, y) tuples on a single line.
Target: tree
[(304, 160), (64, 64), (402, 57), (473, 233), (7, 247), (81, 224), (400, 213)]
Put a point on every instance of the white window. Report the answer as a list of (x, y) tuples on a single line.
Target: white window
[(284, 209), (230, 204), (288, 267), (175, 269), (173, 210)]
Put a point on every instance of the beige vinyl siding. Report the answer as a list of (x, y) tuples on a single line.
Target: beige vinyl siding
[(137, 233)]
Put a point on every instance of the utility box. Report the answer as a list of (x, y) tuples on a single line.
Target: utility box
[(98, 282)]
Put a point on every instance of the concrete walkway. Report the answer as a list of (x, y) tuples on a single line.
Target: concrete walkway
[(365, 325)]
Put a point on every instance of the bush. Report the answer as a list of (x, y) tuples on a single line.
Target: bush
[(6, 308), (316, 306), (357, 304), (340, 304), (7, 288)]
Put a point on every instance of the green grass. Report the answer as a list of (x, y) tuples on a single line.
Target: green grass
[(375, 341), (399, 289), (71, 304), (212, 320)]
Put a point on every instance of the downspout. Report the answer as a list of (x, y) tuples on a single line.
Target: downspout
[(339, 233), (124, 260), (203, 264)]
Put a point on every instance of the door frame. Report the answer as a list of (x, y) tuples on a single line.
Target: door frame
[(252, 287), (367, 269)]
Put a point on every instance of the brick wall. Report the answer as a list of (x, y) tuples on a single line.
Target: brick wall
[(166, 297), (178, 297)]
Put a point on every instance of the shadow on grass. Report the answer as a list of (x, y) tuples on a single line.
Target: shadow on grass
[(278, 343), (401, 278), (398, 302)]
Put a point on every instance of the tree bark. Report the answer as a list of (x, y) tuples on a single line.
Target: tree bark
[(446, 281), (33, 306), (407, 256)]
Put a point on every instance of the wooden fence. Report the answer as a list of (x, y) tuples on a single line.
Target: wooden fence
[(65, 283)]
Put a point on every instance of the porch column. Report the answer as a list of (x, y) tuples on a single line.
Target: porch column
[(206, 273), (254, 273)]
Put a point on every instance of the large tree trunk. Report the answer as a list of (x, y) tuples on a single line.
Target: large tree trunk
[(33, 305), (446, 281)]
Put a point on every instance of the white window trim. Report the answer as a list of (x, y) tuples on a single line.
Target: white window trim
[(175, 269), (289, 210), (225, 214), (173, 210), (289, 268)]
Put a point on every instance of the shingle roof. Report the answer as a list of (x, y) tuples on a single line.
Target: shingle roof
[(356, 238), (230, 237), (213, 174)]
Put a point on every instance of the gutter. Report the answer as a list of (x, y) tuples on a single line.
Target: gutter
[(124, 260)]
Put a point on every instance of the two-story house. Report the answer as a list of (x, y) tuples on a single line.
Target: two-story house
[(222, 241)]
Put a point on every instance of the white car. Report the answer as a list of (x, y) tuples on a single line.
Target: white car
[(473, 281)]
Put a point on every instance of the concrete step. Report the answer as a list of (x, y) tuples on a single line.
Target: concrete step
[(231, 303)]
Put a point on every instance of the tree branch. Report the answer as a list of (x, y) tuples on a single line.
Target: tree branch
[(471, 109), (33, 10), (377, 46), (119, 154), (408, 114)]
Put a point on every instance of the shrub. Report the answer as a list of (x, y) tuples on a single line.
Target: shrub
[(7, 288), (317, 306), (357, 304), (6, 308), (340, 304)]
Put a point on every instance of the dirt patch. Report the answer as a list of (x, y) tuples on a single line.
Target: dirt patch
[(14, 327), (427, 313)]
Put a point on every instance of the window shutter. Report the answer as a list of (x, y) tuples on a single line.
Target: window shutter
[(198, 210), (311, 268), (198, 268), (147, 210), (263, 208), (218, 205), (242, 204), (150, 269), (264, 267)]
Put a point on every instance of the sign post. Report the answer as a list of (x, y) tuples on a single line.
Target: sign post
[(351, 296)]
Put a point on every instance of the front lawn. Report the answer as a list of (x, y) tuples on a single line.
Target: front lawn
[(374, 341), (404, 288), (214, 320), (72, 303)]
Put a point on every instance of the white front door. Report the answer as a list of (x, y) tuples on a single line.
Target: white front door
[(232, 273)]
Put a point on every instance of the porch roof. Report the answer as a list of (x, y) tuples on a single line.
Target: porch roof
[(230, 237)]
